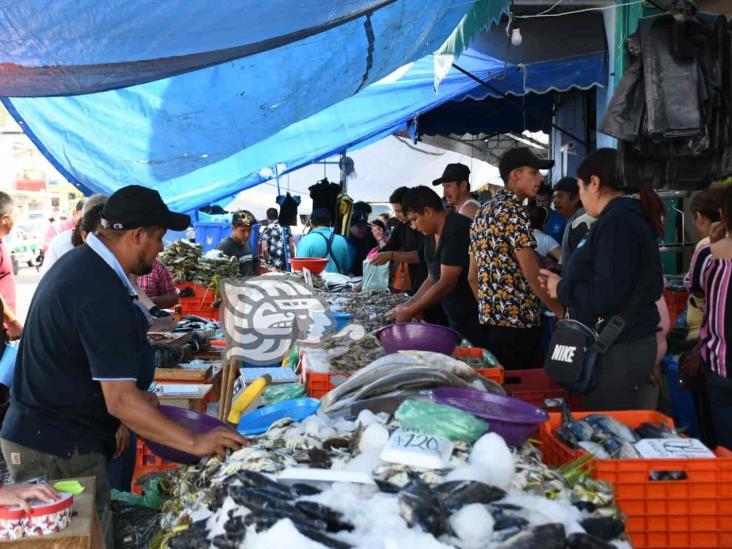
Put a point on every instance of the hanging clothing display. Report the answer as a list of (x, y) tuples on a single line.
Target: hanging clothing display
[(671, 110), (344, 207), (288, 209), (325, 195)]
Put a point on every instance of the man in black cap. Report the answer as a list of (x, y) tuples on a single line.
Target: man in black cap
[(456, 189), (237, 243), (360, 240), (504, 269), (84, 364)]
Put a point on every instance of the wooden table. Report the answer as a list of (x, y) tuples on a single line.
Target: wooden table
[(194, 402), (84, 532)]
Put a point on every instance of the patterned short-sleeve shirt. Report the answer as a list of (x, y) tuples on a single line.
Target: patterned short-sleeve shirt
[(277, 238), (501, 228)]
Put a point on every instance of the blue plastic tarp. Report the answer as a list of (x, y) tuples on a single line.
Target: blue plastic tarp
[(197, 141)]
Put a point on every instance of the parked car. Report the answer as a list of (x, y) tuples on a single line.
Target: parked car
[(24, 248)]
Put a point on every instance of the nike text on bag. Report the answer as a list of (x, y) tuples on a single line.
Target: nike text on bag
[(572, 355)]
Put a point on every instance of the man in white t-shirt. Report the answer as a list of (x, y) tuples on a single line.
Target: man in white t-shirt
[(546, 246), (61, 243)]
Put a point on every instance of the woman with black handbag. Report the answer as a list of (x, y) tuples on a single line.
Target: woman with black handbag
[(615, 275)]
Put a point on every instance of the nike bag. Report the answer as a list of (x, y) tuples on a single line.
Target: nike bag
[(572, 356)]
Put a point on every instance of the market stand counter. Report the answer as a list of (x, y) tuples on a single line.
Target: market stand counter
[(84, 532)]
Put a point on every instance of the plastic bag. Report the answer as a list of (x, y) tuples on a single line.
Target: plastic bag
[(440, 420), (375, 277), (283, 391)]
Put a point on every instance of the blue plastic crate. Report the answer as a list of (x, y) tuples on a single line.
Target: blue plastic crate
[(209, 235)]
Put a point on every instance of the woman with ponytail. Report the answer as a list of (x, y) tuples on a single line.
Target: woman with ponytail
[(617, 258)]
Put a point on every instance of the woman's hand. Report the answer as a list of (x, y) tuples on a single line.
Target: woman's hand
[(19, 494), (549, 281), (382, 258)]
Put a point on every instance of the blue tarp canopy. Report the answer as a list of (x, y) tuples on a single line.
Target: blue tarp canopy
[(205, 135)]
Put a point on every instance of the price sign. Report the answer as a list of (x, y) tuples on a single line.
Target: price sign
[(417, 449), (673, 448)]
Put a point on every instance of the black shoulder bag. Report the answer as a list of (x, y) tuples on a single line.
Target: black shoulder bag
[(575, 348)]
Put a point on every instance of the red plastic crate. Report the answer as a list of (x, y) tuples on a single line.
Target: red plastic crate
[(199, 304), (494, 374), (676, 301), (318, 384), (694, 512), (534, 386)]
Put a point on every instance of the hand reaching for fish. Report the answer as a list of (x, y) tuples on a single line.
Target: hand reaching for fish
[(217, 442), (402, 313)]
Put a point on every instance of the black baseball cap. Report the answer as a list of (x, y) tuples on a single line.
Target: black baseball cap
[(520, 157), (136, 206), (567, 184), (243, 218), (453, 172)]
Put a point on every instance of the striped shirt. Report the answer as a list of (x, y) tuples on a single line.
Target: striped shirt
[(717, 326), (694, 282)]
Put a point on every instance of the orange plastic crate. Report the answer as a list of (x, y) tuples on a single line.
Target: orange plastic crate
[(199, 304), (694, 512), (494, 374), (534, 386), (318, 384), (146, 462)]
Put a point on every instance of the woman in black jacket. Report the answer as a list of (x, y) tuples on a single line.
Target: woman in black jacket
[(618, 254)]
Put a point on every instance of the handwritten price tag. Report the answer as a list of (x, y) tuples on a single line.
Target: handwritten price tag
[(417, 449)]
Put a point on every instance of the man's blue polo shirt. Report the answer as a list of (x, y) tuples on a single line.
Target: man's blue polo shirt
[(83, 327)]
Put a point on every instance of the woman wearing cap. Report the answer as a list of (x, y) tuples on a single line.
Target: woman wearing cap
[(237, 243), (615, 270)]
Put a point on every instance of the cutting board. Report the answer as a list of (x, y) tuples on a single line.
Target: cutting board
[(183, 374)]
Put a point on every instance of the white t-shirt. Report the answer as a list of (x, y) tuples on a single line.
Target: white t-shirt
[(60, 244), (544, 243)]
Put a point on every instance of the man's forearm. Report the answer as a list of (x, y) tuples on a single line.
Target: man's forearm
[(433, 295), (166, 301), (135, 411), (404, 257)]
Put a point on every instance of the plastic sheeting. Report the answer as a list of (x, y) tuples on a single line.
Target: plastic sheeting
[(196, 146), (164, 133)]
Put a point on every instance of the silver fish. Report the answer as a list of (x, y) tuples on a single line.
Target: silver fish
[(606, 423), (594, 448), (388, 364)]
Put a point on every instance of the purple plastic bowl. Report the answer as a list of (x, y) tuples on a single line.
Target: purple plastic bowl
[(197, 422), (513, 419), (418, 336)]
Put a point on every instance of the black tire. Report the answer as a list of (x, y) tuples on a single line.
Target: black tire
[(16, 267)]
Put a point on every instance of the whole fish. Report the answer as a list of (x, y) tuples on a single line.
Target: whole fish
[(546, 536), (593, 448), (606, 423), (407, 377), (388, 364), (620, 449), (416, 377), (419, 506), (649, 430)]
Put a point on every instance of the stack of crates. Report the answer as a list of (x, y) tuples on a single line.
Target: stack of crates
[(693, 511)]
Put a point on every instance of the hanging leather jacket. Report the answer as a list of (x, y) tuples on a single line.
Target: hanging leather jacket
[(671, 110)]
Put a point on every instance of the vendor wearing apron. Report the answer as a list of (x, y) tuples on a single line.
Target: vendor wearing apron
[(83, 367)]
